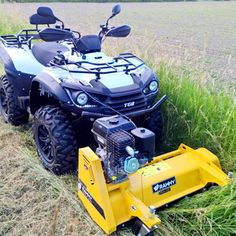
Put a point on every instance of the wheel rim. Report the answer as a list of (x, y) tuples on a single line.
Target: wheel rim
[(45, 144), (3, 101)]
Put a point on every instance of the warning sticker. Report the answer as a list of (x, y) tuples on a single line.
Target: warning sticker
[(154, 169)]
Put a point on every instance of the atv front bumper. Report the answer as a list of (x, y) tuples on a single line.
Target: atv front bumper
[(89, 114)]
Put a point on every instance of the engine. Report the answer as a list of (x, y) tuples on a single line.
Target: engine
[(122, 147)]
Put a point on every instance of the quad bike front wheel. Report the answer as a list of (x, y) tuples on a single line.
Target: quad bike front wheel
[(154, 122), (10, 111), (55, 140)]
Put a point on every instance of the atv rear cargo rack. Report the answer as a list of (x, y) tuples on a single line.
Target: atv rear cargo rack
[(24, 37), (103, 66)]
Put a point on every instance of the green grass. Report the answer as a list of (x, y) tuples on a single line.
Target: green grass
[(197, 116), (210, 213), (9, 25)]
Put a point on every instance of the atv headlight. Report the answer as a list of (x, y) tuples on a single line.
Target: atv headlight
[(82, 99), (153, 86)]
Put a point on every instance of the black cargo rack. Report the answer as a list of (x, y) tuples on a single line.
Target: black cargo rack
[(129, 66), (24, 37)]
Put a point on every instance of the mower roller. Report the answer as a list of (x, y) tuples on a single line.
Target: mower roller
[(120, 181)]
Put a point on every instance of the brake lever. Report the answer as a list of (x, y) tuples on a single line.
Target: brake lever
[(104, 30)]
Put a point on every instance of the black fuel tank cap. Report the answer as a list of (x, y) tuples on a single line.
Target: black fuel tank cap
[(113, 121)]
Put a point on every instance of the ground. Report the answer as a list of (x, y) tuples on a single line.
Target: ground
[(196, 40)]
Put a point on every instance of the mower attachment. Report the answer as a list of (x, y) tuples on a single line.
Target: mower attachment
[(166, 178)]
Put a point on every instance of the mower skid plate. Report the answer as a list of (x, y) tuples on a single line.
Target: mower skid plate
[(167, 178)]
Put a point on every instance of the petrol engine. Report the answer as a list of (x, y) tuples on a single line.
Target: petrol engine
[(122, 147)]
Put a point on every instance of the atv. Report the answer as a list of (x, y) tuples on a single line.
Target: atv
[(66, 82)]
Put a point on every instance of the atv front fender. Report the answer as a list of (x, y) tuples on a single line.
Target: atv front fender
[(50, 86)]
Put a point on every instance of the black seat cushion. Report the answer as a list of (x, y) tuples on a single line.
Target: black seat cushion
[(41, 20), (44, 52)]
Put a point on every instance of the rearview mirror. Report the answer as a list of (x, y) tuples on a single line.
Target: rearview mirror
[(116, 10), (119, 32), (45, 11)]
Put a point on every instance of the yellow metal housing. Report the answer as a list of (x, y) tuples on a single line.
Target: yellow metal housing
[(167, 178)]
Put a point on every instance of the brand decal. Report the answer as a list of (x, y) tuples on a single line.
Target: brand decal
[(163, 185), (83, 189), (129, 104)]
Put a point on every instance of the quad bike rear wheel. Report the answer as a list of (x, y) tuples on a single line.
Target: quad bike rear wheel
[(10, 111), (55, 140)]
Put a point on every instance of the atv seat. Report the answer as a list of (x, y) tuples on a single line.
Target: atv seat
[(44, 52)]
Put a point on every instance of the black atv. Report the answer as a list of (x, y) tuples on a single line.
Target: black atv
[(65, 81)]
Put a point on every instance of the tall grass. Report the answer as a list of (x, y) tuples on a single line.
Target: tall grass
[(9, 25), (198, 116)]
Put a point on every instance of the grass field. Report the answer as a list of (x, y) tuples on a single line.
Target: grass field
[(192, 48)]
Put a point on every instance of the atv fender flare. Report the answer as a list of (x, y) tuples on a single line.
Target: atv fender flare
[(20, 81), (8, 63), (50, 86)]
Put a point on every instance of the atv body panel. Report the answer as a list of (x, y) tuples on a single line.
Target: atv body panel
[(119, 90), (22, 64), (21, 67), (55, 73)]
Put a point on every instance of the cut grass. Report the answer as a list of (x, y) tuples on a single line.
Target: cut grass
[(32, 200)]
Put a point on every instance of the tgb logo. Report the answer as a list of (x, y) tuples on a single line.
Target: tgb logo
[(129, 104), (165, 184)]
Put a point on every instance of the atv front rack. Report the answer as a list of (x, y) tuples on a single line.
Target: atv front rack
[(24, 37), (100, 67)]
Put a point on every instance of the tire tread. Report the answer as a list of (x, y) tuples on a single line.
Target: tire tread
[(64, 138), (16, 115)]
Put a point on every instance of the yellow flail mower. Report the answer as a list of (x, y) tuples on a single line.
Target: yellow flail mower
[(124, 180)]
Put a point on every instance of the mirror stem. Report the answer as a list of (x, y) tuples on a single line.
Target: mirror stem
[(108, 20)]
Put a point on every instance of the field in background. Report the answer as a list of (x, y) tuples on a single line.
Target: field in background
[(196, 35), (192, 48)]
